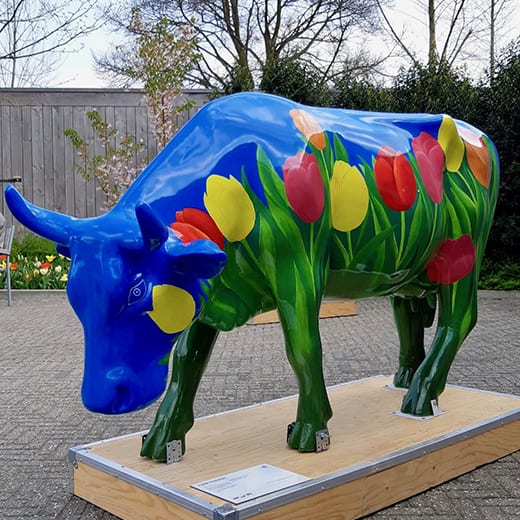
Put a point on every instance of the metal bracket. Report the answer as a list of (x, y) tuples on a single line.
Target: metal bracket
[(173, 451), (435, 408), (322, 440), (225, 512), (290, 428)]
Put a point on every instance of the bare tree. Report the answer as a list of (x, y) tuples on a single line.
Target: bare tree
[(34, 34), (502, 18), (238, 39), (457, 31)]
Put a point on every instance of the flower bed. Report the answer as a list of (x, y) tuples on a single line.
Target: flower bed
[(47, 272)]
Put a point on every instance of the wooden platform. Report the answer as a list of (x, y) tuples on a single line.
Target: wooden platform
[(376, 457), (328, 309)]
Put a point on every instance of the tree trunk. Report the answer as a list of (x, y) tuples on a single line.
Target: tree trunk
[(432, 43)]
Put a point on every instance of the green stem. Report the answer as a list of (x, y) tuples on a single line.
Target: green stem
[(249, 251), (401, 240), (346, 254), (311, 239)]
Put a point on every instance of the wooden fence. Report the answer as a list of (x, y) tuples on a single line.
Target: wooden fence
[(33, 145)]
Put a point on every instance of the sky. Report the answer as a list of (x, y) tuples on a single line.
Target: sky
[(77, 68)]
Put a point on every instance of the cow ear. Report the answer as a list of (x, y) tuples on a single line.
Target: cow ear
[(201, 258), (153, 231)]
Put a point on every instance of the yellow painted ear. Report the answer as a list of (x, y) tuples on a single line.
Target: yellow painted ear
[(451, 144), (173, 308)]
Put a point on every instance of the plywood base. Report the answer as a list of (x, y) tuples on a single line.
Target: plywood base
[(328, 309), (376, 458)]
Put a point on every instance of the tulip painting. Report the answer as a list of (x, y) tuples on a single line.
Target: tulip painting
[(194, 223), (230, 207), (309, 127), (348, 197), (430, 159), (479, 163), (304, 186), (451, 144), (454, 260), (188, 233), (395, 180)]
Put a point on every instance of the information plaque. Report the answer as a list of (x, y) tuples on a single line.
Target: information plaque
[(250, 483)]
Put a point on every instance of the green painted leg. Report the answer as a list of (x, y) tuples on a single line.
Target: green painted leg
[(303, 346), (411, 316), (457, 316), (175, 415)]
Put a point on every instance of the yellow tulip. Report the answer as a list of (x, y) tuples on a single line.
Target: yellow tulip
[(230, 207), (173, 308), (348, 197), (451, 144)]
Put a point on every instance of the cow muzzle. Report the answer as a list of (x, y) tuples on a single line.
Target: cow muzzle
[(117, 391)]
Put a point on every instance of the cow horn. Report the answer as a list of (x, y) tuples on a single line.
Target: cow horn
[(154, 232), (49, 224)]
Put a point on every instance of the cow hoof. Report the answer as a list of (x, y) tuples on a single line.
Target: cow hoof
[(302, 436), (403, 377), (418, 404)]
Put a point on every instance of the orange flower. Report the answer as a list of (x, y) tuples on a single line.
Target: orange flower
[(479, 163), (13, 267), (309, 127)]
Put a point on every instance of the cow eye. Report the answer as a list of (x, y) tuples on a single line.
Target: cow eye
[(137, 292)]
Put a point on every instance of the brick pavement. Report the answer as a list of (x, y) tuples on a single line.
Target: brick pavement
[(41, 415)]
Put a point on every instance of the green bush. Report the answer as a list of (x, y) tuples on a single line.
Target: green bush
[(33, 245), (503, 275)]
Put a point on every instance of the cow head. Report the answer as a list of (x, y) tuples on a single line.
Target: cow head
[(134, 286)]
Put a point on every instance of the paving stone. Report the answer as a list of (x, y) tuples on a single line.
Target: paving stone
[(41, 349)]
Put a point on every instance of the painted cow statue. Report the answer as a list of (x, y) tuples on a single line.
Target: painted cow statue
[(259, 203)]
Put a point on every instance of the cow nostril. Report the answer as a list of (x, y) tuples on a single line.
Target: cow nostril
[(123, 399)]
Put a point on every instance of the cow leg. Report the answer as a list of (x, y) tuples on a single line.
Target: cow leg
[(303, 347), (175, 414), (457, 316), (411, 316)]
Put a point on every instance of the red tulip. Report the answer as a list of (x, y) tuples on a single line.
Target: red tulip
[(304, 186), (454, 260), (430, 159), (187, 233), (198, 220), (395, 179)]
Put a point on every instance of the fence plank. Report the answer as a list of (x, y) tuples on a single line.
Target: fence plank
[(33, 145)]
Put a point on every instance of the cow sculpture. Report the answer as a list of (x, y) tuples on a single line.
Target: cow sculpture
[(260, 203)]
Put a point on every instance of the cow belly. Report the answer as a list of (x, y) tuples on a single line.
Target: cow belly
[(351, 284)]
